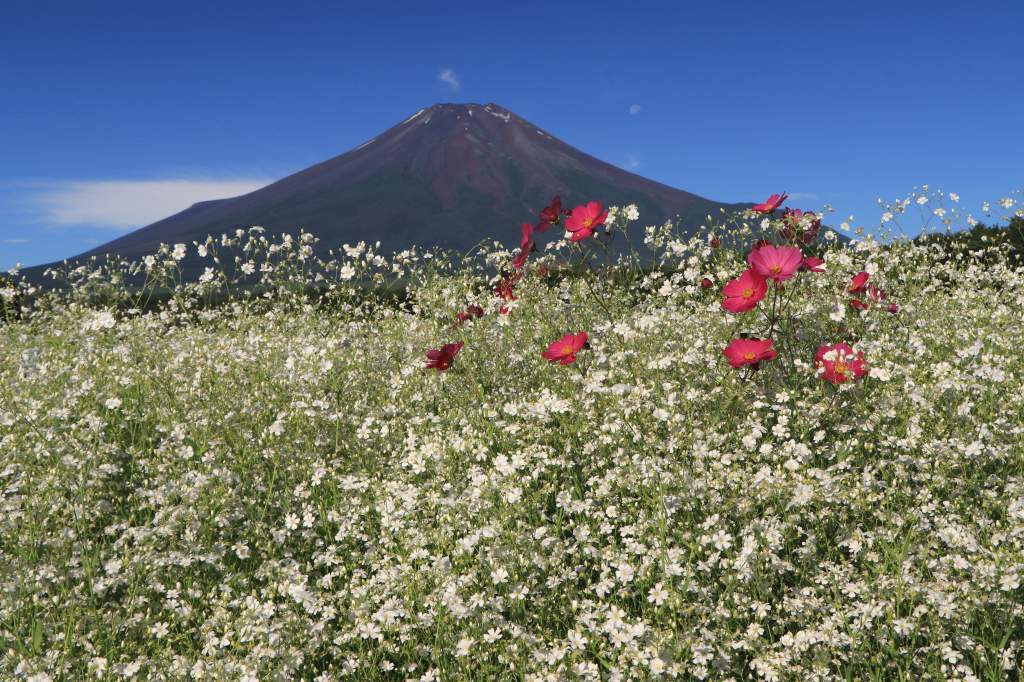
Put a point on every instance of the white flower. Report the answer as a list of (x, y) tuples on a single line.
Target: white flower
[(179, 252), (657, 595), (112, 403)]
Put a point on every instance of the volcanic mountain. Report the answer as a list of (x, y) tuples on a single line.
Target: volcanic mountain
[(451, 176)]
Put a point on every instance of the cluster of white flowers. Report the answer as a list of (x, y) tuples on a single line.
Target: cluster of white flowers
[(274, 487)]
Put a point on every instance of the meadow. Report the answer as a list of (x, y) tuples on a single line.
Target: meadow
[(777, 455)]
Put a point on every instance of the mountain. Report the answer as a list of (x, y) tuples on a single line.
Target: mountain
[(451, 176)]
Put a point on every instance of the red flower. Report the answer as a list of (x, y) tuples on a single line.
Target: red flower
[(715, 242), (801, 225), (744, 292), (774, 201), (551, 214), (505, 289), (894, 308), (469, 313), (564, 350), (858, 304), (706, 283), (441, 359), (526, 246), (838, 363), (858, 282), (742, 352), (584, 220), (813, 264), (876, 294), (778, 263)]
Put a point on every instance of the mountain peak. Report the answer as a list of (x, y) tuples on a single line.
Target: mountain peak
[(450, 175)]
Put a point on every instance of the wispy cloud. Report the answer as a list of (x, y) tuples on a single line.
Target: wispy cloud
[(448, 77), (121, 204), (632, 162), (15, 241), (797, 196), (635, 109)]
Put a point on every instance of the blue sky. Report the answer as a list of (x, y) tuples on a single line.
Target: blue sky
[(115, 114)]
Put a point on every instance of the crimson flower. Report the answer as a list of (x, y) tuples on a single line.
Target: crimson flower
[(838, 363), (773, 202), (505, 289), (442, 358), (894, 308), (858, 304), (551, 214), (777, 263), (742, 352), (876, 294), (715, 242), (744, 292), (526, 246), (801, 225), (813, 264), (858, 282), (564, 350), (584, 220), (706, 283), (469, 313)]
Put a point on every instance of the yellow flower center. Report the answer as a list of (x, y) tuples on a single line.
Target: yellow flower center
[(587, 222), (775, 269), (749, 355), (748, 292), (840, 367), (567, 349)]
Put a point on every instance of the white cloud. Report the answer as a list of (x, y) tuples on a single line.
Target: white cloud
[(635, 109), (15, 241), (448, 76), (797, 196), (120, 204), (631, 162)]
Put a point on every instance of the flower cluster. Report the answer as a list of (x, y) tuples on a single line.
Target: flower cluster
[(580, 223), (272, 487), (836, 363)]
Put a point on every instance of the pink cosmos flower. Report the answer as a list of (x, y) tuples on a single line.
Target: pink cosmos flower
[(773, 202), (526, 246), (876, 294), (442, 358), (742, 352), (777, 263), (838, 363), (813, 264), (564, 350), (744, 292), (858, 282), (584, 220), (858, 304)]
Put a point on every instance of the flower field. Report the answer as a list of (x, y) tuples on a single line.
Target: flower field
[(777, 455)]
